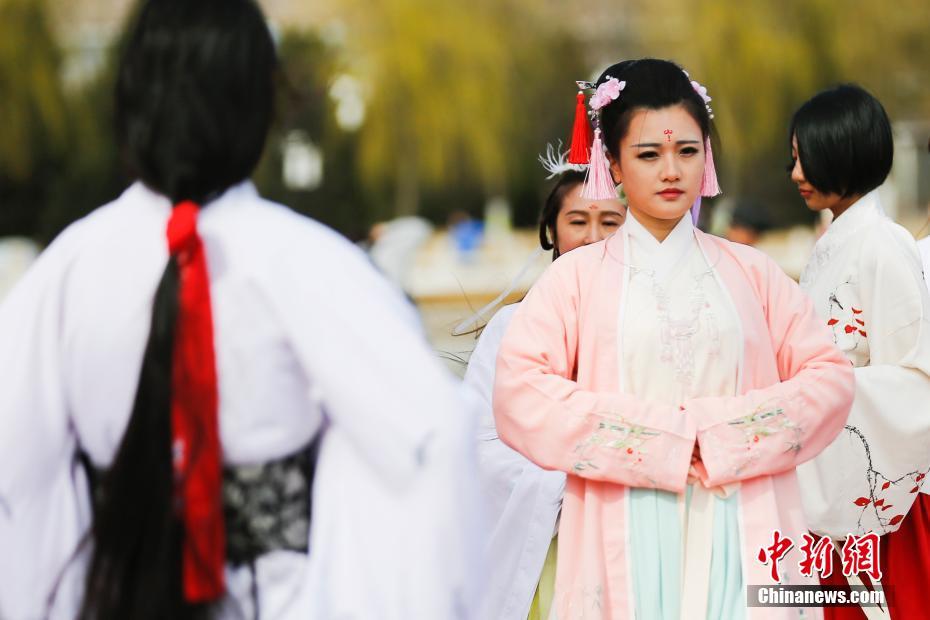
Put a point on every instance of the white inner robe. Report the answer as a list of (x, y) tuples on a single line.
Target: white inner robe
[(680, 339)]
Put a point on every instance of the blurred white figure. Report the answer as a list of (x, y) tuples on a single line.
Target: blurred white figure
[(395, 245)]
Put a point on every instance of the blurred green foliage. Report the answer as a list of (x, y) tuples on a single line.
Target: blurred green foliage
[(459, 98), (33, 112), (760, 60), (57, 158)]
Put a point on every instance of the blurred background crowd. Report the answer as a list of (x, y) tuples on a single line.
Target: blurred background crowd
[(413, 127)]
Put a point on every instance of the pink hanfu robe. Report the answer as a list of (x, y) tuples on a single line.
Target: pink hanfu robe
[(557, 400)]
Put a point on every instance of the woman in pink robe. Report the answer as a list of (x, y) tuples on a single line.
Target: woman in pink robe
[(562, 394)]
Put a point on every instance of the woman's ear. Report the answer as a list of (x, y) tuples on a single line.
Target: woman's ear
[(615, 172)]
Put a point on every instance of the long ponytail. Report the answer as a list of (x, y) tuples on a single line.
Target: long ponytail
[(135, 569), (194, 102)]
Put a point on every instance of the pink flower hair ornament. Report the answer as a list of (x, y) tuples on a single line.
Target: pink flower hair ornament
[(608, 91), (702, 91)]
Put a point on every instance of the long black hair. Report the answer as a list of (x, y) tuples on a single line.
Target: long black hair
[(194, 103), (651, 84)]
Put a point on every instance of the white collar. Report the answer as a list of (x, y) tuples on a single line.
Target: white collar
[(661, 257), (140, 192), (860, 214)]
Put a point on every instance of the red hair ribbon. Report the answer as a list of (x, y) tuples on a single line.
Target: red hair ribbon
[(195, 440)]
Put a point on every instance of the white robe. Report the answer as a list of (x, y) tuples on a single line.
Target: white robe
[(865, 281), (522, 499), (307, 336), (924, 246)]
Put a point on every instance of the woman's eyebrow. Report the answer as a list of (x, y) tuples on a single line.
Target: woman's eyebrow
[(658, 144)]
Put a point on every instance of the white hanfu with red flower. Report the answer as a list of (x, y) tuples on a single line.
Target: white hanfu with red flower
[(866, 283)]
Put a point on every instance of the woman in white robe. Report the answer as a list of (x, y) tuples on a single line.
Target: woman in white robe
[(310, 344), (865, 280), (522, 499)]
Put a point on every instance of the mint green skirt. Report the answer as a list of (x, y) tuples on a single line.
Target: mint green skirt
[(656, 555)]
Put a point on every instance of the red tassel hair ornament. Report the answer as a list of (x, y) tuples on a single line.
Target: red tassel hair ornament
[(582, 134)]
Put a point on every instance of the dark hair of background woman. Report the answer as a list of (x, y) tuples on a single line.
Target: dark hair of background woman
[(548, 231), (651, 84), (194, 103), (844, 141)]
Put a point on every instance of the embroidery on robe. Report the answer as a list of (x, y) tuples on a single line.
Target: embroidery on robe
[(767, 420), (591, 600), (846, 319), (677, 334), (819, 259), (875, 504), (617, 434), (594, 599)]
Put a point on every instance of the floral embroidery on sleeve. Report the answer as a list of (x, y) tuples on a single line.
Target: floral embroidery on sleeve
[(617, 434), (767, 420)]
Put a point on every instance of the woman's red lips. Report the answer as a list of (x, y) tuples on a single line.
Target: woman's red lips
[(671, 193), (806, 193)]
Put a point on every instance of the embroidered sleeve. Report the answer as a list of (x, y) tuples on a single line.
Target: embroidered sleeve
[(751, 444), (615, 438), (774, 429)]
